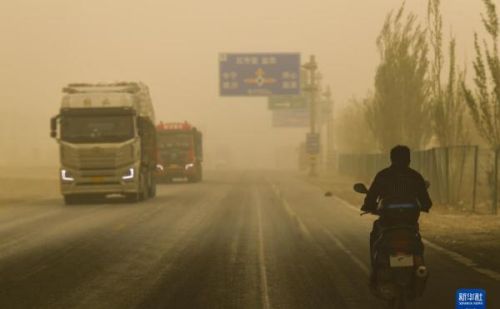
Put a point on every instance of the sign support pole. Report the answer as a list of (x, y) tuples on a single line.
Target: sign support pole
[(330, 143), (311, 67)]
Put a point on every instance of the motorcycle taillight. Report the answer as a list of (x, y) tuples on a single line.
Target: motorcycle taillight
[(401, 246), (401, 241)]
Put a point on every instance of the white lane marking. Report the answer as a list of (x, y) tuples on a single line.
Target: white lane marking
[(302, 227), (464, 261), (262, 261), (306, 232), (235, 241), (457, 257), (354, 258)]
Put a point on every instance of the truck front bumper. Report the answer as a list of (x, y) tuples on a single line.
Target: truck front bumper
[(176, 171), (106, 181)]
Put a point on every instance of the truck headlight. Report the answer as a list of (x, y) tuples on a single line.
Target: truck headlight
[(189, 165), (66, 176), (129, 174)]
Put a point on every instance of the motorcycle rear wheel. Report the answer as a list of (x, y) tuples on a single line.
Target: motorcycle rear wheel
[(398, 302)]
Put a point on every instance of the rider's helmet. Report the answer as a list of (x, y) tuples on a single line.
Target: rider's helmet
[(400, 156)]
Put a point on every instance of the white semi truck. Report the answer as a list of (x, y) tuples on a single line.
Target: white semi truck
[(107, 139)]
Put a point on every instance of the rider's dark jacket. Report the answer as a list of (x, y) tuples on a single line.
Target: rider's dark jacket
[(398, 185)]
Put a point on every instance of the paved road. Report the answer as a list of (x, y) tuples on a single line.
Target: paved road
[(237, 240)]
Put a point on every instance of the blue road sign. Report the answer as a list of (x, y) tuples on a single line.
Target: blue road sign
[(260, 74)]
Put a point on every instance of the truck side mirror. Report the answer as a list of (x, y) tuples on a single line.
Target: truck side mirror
[(53, 126)]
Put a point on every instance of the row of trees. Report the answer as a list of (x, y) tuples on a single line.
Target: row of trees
[(413, 102)]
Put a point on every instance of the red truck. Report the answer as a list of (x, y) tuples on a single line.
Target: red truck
[(180, 152)]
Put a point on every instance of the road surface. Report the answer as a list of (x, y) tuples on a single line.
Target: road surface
[(237, 240)]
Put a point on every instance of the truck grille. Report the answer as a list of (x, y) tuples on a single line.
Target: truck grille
[(96, 157)]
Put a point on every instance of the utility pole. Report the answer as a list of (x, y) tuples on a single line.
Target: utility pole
[(329, 130), (311, 87)]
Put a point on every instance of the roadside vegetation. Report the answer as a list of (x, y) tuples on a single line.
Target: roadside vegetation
[(420, 95), (422, 98)]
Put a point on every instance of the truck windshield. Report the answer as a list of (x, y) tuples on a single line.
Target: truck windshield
[(97, 129), (169, 141)]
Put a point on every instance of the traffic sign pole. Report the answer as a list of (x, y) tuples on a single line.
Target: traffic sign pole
[(329, 127), (311, 67)]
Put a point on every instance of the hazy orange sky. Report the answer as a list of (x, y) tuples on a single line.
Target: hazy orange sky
[(173, 45)]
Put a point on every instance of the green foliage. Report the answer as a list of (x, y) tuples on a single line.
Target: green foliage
[(400, 111), (484, 101)]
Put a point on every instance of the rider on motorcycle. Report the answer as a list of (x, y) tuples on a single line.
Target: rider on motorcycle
[(396, 184)]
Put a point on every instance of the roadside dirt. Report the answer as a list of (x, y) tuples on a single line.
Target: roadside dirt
[(22, 184)]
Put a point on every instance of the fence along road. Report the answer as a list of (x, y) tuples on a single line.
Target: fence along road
[(464, 177)]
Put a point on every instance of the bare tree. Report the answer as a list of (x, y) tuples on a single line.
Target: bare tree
[(448, 101), (352, 134), (400, 112), (484, 101), (435, 28)]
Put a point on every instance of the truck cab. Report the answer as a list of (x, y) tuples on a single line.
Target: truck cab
[(107, 141), (180, 152)]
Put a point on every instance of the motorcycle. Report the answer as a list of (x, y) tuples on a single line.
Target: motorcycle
[(400, 272)]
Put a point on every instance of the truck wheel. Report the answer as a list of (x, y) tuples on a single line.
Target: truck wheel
[(197, 176), (71, 199), (200, 174), (132, 197), (152, 191), (143, 195), (144, 188), (152, 188)]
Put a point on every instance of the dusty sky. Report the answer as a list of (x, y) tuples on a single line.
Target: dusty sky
[(173, 45)]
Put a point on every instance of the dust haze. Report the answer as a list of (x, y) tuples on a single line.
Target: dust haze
[(116, 211), (172, 46)]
